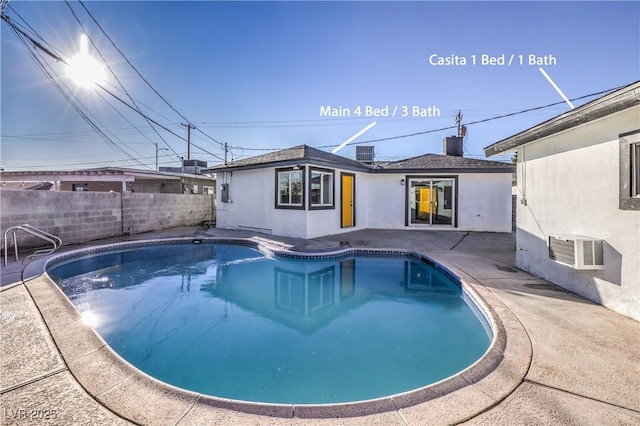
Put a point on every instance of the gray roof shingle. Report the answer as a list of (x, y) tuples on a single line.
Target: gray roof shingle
[(422, 163), (444, 162), (300, 153)]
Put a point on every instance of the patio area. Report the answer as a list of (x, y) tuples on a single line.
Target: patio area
[(565, 360)]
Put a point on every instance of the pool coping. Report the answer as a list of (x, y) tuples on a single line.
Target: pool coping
[(112, 381)]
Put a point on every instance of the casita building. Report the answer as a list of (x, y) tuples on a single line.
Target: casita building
[(578, 199)]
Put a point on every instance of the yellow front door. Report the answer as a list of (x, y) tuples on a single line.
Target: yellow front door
[(424, 203), (348, 208)]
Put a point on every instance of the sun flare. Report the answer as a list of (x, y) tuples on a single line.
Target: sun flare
[(84, 70)]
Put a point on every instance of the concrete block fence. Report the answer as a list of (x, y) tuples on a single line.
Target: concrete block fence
[(78, 217)]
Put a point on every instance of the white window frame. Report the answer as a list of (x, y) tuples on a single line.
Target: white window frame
[(635, 169), (629, 187), (290, 172), (331, 192)]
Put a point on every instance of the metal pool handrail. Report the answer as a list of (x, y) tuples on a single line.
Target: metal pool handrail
[(54, 240)]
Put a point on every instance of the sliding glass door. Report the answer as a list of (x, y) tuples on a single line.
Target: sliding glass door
[(431, 201)]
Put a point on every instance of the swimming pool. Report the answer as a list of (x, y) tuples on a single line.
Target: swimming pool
[(228, 321)]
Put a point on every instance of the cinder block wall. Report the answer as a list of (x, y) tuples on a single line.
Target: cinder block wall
[(151, 212), (84, 216)]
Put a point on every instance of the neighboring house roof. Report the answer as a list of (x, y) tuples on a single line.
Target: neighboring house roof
[(619, 100), (291, 156), (102, 171), (43, 186), (424, 163), (143, 173), (444, 163)]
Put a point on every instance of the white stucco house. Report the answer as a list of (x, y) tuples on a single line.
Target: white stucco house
[(578, 199), (305, 192)]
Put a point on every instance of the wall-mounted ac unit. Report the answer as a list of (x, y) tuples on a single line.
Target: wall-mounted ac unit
[(577, 251)]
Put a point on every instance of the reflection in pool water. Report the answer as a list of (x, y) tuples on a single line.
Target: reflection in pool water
[(227, 321)]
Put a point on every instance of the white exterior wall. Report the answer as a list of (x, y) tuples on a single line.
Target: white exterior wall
[(384, 203), (571, 185), (251, 196), (380, 202), (484, 202), (252, 206), (327, 222)]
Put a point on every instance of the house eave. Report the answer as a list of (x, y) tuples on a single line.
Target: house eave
[(507, 169), (288, 163), (622, 99)]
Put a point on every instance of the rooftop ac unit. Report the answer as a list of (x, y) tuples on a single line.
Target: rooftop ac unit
[(364, 154), (576, 251)]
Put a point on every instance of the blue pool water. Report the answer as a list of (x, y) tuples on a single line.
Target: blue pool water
[(227, 321)]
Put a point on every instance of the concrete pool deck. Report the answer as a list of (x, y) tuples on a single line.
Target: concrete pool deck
[(565, 360)]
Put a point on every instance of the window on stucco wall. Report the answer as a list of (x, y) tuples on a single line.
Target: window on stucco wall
[(630, 170), (321, 189), (635, 169), (290, 188)]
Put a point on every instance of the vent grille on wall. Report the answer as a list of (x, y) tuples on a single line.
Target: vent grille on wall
[(577, 251)]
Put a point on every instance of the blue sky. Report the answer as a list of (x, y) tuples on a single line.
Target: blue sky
[(256, 74)]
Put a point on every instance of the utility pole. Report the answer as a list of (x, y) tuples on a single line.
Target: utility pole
[(225, 153), (462, 130), (189, 126)]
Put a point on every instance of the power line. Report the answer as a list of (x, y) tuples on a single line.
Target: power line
[(128, 61), (215, 123), (123, 117), (138, 110), (35, 43), (68, 157), (441, 128), (150, 164), (71, 136), (155, 122), (326, 122), (58, 58), (475, 122), (115, 76), (141, 76), (60, 86), (31, 28), (455, 126)]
